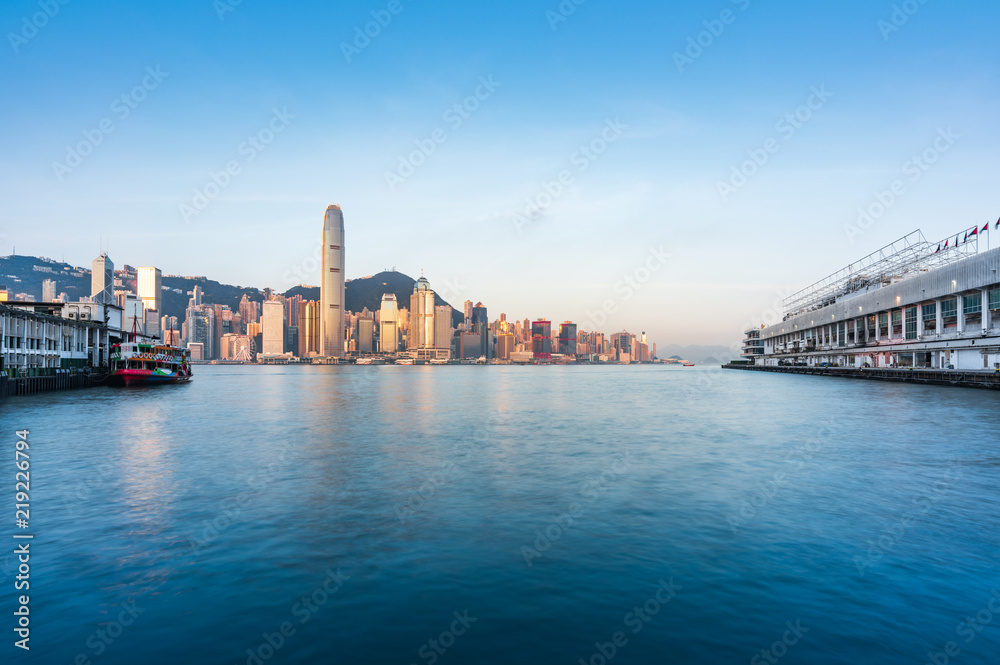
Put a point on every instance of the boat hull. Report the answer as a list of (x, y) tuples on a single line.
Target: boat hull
[(145, 377)]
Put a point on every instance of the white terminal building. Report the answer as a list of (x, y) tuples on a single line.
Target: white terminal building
[(911, 304)]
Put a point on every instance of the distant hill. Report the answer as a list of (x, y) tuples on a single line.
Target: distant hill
[(368, 292), (702, 355), (24, 274)]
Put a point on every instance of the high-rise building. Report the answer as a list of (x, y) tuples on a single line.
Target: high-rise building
[(480, 323), (421, 316), (504, 346), (199, 327), (49, 290), (151, 323), (149, 282), (196, 295), (102, 280), (567, 338), (273, 325), (442, 329), (366, 335), (468, 313), (249, 311), (541, 339), (332, 291), (309, 329), (388, 336), (470, 346)]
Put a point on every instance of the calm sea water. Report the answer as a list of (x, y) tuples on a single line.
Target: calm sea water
[(508, 515)]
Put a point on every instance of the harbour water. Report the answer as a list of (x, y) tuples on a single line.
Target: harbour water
[(641, 514)]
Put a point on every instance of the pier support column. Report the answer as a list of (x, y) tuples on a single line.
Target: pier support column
[(938, 321), (984, 303)]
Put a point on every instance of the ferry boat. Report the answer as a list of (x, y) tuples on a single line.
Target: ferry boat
[(135, 363)]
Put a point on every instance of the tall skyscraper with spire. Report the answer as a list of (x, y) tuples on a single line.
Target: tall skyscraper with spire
[(102, 280), (332, 293)]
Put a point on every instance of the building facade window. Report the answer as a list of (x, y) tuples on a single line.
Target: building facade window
[(995, 299), (911, 323), (972, 304), (949, 308)]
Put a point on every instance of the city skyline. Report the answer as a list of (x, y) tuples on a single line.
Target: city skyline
[(725, 154)]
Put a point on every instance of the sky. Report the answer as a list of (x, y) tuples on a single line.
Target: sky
[(669, 167)]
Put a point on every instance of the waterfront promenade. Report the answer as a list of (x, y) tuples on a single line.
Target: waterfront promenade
[(962, 378)]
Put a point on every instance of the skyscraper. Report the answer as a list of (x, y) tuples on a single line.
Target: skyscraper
[(309, 325), (332, 292), (442, 330), (567, 338), (49, 290), (366, 334), (102, 280), (273, 324), (388, 337), (421, 316), (148, 287), (541, 338)]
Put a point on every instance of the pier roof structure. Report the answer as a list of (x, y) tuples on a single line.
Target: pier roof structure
[(906, 257)]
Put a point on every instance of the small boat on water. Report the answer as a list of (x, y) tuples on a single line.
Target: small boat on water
[(404, 361), (134, 363), (689, 364)]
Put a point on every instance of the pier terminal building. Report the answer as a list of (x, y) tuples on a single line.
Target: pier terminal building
[(910, 304)]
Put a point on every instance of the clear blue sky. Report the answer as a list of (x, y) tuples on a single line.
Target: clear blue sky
[(656, 184)]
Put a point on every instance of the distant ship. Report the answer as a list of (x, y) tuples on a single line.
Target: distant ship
[(134, 363), (689, 364)]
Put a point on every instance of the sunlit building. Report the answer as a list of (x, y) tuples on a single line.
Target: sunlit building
[(910, 304), (388, 336), (273, 328), (102, 280), (149, 287), (332, 286)]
